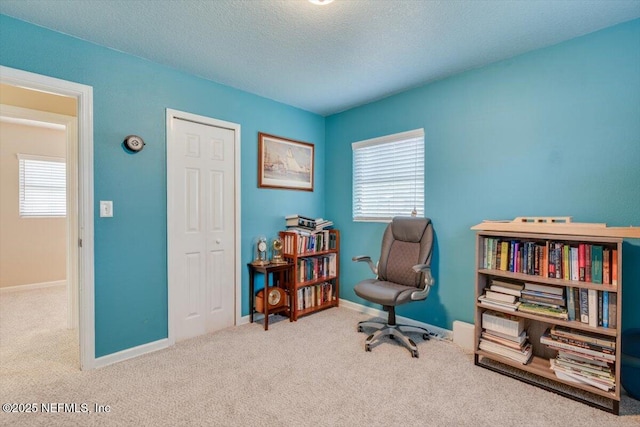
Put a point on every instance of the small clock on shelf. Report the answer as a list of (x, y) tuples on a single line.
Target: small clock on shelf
[(276, 251), (260, 251), (275, 299)]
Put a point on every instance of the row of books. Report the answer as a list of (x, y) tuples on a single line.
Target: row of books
[(583, 357), (316, 241), (582, 262), (532, 298), (504, 335), (306, 223), (312, 296), (316, 267), (590, 306)]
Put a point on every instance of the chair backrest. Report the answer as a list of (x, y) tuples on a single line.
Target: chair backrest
[(407, 241)]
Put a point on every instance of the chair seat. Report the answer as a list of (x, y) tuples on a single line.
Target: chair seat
[(383, 292)]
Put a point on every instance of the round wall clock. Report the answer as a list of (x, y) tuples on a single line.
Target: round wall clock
[(134, 143)]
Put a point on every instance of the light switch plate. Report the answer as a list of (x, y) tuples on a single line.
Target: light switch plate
[(106, 208)]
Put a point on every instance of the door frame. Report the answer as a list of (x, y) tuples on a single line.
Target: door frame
[(85, 252), (172, 205)]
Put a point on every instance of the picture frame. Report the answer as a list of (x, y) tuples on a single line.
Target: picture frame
[(285, 163)]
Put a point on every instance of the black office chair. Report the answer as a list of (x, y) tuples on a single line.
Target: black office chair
[(403, 276)]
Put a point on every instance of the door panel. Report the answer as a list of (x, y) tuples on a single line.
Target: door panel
[(204, 230)]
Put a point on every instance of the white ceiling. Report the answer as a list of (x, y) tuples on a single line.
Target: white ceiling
[(324, 59)]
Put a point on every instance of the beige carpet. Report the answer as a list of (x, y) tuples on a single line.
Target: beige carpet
[(310, 373)]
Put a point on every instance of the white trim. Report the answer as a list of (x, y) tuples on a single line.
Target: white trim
[(32, 286), (130, 353), (84, 97), (171, 291), (410, 134), (441, 332)]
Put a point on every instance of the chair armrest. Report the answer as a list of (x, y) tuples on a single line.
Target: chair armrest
[(367, 259), (428, 282)]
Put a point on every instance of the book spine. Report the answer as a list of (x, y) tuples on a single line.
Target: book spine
[(571, 308), (587, 263), (593, 307), (584, 305), (613, 311), (576, 298), (581, 262), (596, 264), (605, 309), (614, 268), (574, 264), (606, 266)]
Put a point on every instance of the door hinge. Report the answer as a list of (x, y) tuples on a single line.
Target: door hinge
[(80, 242)]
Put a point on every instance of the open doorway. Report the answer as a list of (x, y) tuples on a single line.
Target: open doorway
[(38, 223), (76, 127)]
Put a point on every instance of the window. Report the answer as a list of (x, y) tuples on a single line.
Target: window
[(43, 186), (388, 176)]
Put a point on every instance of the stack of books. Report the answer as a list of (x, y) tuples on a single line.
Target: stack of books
[(583, 358), (544, 300), (323, 224), (502, 294), (504, 335), (305, 224)]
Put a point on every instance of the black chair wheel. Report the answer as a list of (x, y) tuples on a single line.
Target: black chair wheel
[(393, 337), (360, 329), (367, 347), (414, 353), (425, 336)]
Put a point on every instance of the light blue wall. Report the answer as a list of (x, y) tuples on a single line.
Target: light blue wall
[(130, 97), (553, 132)]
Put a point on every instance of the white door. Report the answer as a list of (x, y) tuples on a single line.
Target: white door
[(201, 242)]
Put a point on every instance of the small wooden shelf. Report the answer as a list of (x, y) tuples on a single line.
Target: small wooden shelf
[(310, 295), (547, 236)]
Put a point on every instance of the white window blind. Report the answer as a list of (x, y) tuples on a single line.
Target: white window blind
[(43, 186), (388, 176)]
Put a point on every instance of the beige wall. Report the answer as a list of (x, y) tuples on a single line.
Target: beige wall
[(32, 250), (34, 100)]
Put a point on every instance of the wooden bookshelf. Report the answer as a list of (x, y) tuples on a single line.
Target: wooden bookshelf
[(316, 270), (537, 324)]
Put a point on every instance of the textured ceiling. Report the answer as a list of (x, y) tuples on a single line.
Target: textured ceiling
[(329, 58)]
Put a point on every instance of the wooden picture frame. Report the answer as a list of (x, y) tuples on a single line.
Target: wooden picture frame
[(285, 163)]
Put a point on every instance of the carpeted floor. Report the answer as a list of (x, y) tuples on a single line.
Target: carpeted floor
[(313, 372)]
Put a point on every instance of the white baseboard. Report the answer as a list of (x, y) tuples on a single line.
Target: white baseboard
[(33, 286), (245, 319), (443, 333), (130, 353)]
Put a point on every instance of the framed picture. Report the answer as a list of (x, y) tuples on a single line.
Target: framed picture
[(284, 163)]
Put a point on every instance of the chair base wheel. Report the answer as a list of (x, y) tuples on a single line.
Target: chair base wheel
[(395, 333)]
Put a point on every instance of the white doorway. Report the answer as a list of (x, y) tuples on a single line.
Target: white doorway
[(80, 235), (203, 211)]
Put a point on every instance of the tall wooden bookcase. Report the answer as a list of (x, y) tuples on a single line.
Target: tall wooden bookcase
[(537, 324), (316, 270)]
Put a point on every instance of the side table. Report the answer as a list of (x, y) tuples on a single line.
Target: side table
[(281, 275)]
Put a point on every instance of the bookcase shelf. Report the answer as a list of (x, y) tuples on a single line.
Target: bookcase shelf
[(316, 270), (545, 251)]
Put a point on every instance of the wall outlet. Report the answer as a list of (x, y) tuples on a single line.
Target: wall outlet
[(463, 334)]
